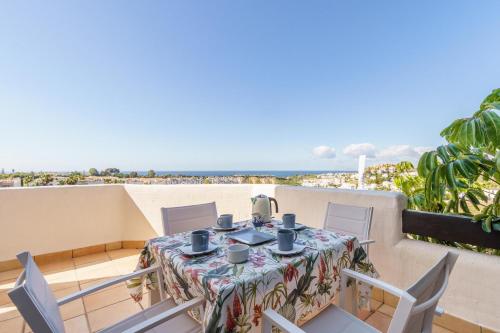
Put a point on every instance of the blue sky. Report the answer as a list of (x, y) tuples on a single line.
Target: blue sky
[(204, 85)]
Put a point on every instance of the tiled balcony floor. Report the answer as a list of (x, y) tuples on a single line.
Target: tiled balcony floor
[(110, 305)]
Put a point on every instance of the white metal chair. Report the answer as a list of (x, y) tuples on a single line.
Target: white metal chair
[(188, 218), (414, 313), (350, 220), (39, 308)]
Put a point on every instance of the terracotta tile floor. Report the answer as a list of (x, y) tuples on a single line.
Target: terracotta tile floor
[(105, 307)]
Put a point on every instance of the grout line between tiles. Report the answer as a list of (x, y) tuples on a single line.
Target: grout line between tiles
[(85, 312), (102, 307), (107, 255)]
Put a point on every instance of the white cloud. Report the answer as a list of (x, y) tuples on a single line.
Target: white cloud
[(356, 149), (324, 152), (421, 150), (401, 152), (394, 153)]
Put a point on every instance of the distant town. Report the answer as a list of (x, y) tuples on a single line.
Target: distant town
[(377, 177), (401, 177)]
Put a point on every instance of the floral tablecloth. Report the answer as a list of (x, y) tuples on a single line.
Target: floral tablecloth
[(297, 286)]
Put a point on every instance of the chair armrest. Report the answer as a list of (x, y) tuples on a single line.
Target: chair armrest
[(20, 279), (366, 242), (105, 284), (281, 322), (165, 316), (374, 282)]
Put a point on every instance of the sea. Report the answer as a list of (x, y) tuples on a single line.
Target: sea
[(222, 173)]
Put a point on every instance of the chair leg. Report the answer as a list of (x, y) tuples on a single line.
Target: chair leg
[(348, 295), (266, 326), (154, 296), (354, 297), (344, 293), (202, 311)]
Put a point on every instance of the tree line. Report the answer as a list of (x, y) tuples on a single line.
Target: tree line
[(115, 172)]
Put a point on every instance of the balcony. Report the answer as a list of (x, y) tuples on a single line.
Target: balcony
[(81, 235)]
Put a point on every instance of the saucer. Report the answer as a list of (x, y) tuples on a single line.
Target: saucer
[(298, 227), (188, 250), (297, 248), (217, 228)]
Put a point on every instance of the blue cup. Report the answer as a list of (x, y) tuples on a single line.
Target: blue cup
[(288, 221), (225, 221), (286, 237), (199, 240)]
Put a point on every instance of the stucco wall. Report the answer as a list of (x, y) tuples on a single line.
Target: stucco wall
[(144, 218), (52, 219), (473, 291), (49, 219)]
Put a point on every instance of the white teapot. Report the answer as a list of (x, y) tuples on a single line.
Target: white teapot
[(261, 206)]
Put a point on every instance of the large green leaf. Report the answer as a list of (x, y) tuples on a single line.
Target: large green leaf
[(491, 122), (443, 154), (433, 184), (427, 163), (486, 225), (473, 199), (482, 130), (451, 133), (460, 167), (463, 205), (454, 150), (470, 166), (478, 193), (450, 177), (491, 100)]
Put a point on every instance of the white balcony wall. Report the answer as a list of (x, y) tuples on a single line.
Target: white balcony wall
[(144, 202), (57, 218), (50, 219)]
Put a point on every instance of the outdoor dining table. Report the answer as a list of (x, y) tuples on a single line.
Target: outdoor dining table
[(237, 294)]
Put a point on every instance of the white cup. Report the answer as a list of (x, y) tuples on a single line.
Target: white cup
[(238, 253)]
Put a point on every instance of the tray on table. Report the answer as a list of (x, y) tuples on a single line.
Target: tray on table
[(250, 236)]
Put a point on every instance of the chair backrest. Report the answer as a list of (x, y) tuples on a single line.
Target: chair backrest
[(34, 299), (187, 218), (349, 220), (427, 291)]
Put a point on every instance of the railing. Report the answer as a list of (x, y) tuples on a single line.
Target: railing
[(451, 228)]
